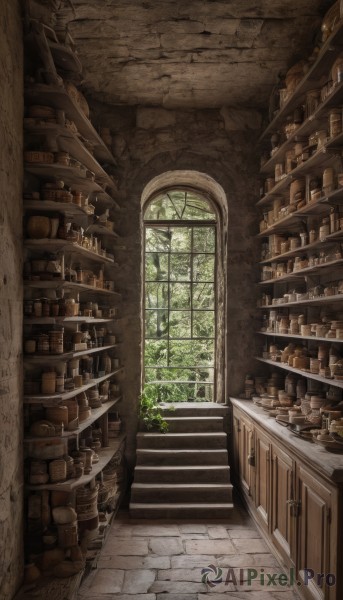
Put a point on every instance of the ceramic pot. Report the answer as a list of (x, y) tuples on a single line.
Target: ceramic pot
[(38, 227)]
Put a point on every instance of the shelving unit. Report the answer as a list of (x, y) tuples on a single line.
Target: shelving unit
[(79, 301), (311, 268)]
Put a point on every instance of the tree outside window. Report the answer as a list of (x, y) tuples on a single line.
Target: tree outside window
[(180, 296)]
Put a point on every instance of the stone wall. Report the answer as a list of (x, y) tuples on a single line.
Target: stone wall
[(148, 142), (11, 167)]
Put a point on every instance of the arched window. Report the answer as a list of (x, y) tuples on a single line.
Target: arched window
[(180, 295)]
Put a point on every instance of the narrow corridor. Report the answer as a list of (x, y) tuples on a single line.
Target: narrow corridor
[(145, 560)]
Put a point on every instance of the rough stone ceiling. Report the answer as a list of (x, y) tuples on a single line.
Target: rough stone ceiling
[(191, 53)]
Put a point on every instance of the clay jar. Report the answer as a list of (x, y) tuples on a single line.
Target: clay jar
[(48, 383), (38, 227)]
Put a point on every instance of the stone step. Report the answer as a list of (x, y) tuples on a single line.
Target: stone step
[(159, 457), (194, 424), (190, 409), (182, 474), (181, 511), (181, 492), (182, 440)]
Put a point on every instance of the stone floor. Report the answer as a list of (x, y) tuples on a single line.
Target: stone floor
[(145, 560)]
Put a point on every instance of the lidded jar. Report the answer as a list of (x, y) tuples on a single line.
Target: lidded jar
[(335, 122)]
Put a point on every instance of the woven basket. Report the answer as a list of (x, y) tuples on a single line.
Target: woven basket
[(86, 503), (57, 414), (36, 156), (58, 470), (67, 535)]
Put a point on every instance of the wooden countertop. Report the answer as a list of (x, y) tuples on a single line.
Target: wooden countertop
[(327, 464)]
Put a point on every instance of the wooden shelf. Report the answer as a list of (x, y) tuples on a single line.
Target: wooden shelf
[(310, 209), (57, 245), (306, 374), (61, 320), (73, 177), (311, 338), (302, 272), (59, 284), (57, 97), (64, 57), (306, 128), (51, 399), (297, 252), (312, 164), (66, 208), (96, 414), (105, 455), (70, 142), (67, 355), (319, 68), (313, 301), (101, 230)]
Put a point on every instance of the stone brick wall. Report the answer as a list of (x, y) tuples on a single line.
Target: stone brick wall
[(11, 150), (148, 142)]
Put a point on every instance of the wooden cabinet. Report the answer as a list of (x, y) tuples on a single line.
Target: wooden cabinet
[(297, 509)]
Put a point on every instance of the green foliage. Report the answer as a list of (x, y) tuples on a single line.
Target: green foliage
[(149, 410), (180, 311)]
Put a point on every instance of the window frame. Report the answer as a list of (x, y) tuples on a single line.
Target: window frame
[(194, 223)]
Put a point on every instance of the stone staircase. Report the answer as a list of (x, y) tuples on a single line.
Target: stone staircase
[(184, 473)]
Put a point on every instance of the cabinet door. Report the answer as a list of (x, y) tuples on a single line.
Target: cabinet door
[(262, 478), (284, 508), (315, 554), (244, 444), (236, 431)]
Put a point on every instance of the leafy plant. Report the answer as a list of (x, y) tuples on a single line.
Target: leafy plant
[(149, 410)]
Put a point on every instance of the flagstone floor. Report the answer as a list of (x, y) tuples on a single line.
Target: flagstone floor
[(183, 560)]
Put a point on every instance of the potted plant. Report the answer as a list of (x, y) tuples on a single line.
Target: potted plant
[(149, 410)]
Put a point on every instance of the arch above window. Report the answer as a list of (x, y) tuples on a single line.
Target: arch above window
[(179, 205)]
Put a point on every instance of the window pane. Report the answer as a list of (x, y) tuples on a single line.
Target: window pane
[(203, 351), (181, 239), (156, 295), (180, 267), (181, 353), (203, 324), (204, 239), (156, 353), (203, 267), (203, 295), (156, 266), (179, 324), (157, 238), (156, 323), (180, 295)]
